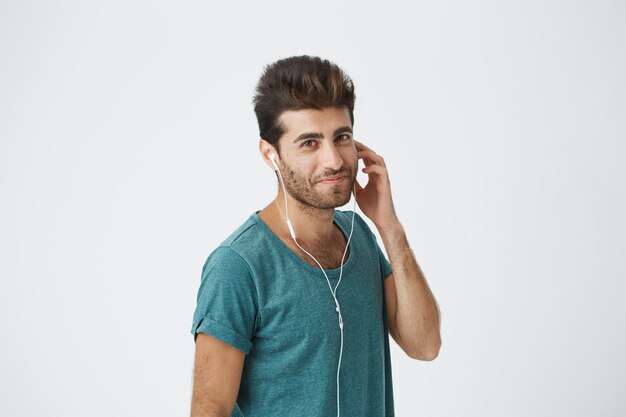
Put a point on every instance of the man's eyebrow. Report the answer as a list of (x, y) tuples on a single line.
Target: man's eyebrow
[(313, 135)]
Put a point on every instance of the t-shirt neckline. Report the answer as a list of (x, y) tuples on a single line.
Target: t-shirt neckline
[(332, 273)]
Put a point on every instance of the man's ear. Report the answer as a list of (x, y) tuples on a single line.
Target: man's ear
[(266, 150)]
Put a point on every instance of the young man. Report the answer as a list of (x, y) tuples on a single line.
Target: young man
[(295, 307)]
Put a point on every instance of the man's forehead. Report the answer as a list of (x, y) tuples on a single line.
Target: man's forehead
[(314, 120)]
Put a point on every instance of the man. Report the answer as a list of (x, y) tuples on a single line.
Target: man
[(283, 326)]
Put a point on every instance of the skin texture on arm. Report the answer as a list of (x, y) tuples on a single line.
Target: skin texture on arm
[(412, 311), (217, 375)]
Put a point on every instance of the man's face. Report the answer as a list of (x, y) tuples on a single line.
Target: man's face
[(318, 145)]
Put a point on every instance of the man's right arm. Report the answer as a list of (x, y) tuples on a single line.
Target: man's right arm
[(217, 375)]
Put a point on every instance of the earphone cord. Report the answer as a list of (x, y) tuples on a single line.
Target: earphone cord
[(333, 292)]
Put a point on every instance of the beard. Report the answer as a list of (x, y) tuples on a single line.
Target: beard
[(316, 195)]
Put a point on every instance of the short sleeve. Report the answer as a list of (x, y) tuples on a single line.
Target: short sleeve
[(227, 303), (385, 266)]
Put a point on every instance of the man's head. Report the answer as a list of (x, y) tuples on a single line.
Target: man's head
[(295, 83), (304, 106)]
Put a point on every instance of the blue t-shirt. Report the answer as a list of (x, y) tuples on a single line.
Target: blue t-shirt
[(257, 295)]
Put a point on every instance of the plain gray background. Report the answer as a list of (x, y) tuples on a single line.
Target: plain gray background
[(129, 151)]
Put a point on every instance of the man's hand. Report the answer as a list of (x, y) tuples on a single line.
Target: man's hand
[(375, 199)]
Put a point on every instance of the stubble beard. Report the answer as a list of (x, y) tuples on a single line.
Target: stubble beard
[(311, 196)]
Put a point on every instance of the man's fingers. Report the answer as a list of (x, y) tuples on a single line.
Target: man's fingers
[(375, 168), (372, 156), (361, 146)]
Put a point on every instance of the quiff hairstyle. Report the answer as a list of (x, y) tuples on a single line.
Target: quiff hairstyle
[(295, 83)]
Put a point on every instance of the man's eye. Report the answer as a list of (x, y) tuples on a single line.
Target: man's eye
[(308, 141), (344, 137)]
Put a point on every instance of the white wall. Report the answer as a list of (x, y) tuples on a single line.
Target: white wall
[(129, 150)]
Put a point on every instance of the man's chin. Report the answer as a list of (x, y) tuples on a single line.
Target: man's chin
[(339, 202), (326, 198)]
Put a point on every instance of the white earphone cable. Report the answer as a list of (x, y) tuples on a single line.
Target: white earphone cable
[(333, 292)]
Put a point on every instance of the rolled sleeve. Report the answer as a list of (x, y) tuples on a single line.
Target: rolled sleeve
[(227, 302), (385, 266)]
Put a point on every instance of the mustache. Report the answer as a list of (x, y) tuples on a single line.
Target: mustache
[(341, 173)]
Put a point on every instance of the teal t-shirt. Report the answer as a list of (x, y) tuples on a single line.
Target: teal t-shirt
[(257, 295)]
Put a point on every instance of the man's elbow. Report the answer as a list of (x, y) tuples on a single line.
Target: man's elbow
[(426, 353)]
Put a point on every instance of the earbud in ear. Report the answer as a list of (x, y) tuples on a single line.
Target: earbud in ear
[(272, 156)]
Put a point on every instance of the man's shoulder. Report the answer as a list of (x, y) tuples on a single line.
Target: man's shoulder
[(238, 246), (241, 233), (246, 237), (345, 218)]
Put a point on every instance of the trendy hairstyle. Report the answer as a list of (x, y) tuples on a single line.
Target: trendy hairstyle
[(295, 83)]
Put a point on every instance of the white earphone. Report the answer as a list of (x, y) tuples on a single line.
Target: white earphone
[(333, 292), (291, 231), (272, 156)]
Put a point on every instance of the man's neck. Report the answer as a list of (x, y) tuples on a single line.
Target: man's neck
[(309, 223)]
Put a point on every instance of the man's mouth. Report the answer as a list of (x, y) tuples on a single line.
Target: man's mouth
[(333, 180)]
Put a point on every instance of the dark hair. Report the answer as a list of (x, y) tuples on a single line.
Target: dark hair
[(299, 82)]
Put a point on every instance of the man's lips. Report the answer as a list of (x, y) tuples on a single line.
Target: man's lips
[(333, 179)]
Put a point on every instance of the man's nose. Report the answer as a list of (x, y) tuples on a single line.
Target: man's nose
[(330, 157)]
